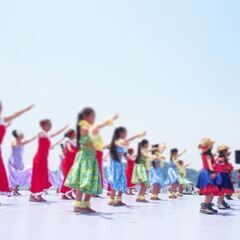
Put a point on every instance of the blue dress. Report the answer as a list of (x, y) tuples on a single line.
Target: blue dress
[(173, 177), (156, 175), (116, 172)]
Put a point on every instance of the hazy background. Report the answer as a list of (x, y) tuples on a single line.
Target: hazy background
[(168, 67)]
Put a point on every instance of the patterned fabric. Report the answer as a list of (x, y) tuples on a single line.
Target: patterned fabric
[(173, 176), (129, 172), (226, 186), (140, 174), (116, 172), (182, 176), (84, 174), (156, 175), (207, 185)]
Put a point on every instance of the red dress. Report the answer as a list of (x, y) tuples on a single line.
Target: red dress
[(4, 186), (99, 156), (67, 163), (129, 172), (40, 181)]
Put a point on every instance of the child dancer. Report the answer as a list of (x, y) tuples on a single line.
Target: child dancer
[(208, 180), (5, 122), (40, 175), (224, 168), (116, 171), (173, 177), (140, 174), (18, 174), (84, 175), (181, 167), (156, 178), (70, 151), (129, 171)]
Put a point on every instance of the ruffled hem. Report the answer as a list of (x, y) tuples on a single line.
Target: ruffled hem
[(210, 190), (227, 191)]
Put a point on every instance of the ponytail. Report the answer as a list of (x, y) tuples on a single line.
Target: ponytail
[(139, 154)]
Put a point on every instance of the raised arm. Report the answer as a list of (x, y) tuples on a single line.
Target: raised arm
[(57, 143), (15, 115), (139, 135), (25, 142), (106, 123), (59, 132), (181, 154)]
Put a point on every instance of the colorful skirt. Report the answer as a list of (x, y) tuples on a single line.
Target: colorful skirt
[(226, 186), (173, 176), (207, 185), (140, 174), (116, 176), (181, 180), (84, 174), (4, 185), (129, 173), (156, 177)]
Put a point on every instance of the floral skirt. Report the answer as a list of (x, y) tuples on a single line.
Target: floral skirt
[(140, 174), (117, 176), (84, 174), (156, 177)]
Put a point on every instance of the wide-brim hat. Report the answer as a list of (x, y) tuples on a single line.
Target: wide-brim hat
[(223, 148), (206, 144)]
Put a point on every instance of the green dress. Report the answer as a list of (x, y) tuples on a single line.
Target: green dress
[(140, 174), (84, 174)]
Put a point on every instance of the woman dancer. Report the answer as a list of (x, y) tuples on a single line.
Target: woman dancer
[(70, 151), (18, 174), (5, 122), (116, 171), (224, 168), (208, 181), (129, 171), (140, 174), (84, 176), (156, 178), (173, 177), (40, 174)]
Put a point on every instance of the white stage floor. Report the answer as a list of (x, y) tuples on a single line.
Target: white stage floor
[(168, 219)]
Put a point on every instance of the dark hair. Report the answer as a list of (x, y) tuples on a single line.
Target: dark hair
[(81, 116), (69, 133), (116, 136), (209, 153), (173, 152), (15, 133), (130, 151), (222, 154), (140, 145)]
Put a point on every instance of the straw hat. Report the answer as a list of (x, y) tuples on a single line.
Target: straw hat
[(206, 144), (223, 148)]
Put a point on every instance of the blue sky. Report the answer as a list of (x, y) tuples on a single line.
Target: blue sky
[(168, 67)]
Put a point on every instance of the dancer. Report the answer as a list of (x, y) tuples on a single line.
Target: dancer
[(84, 176), (70, 151), (208, 180), (181, 167), (18, 174), (140, 174), (40, 175), (224, 168), (129, 171), (156, 178), (4, 123), (116, 171), (173, 177)]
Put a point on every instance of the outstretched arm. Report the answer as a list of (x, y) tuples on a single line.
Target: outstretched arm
[(29, 140), (15, 115), (59, 132), (184, 151), (57, 143), (106, 123), (140, 135)]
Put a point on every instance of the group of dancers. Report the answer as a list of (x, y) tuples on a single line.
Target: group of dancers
[(82, 157)]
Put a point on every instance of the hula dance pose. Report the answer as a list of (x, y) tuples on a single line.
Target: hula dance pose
[(84, 176), (173, 176), (140, 174), (181, 167), (18, 174), (208, 181), (156, 178), (40, 174), (129, 171), (224, 168), (4, 123), (116, 170)]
